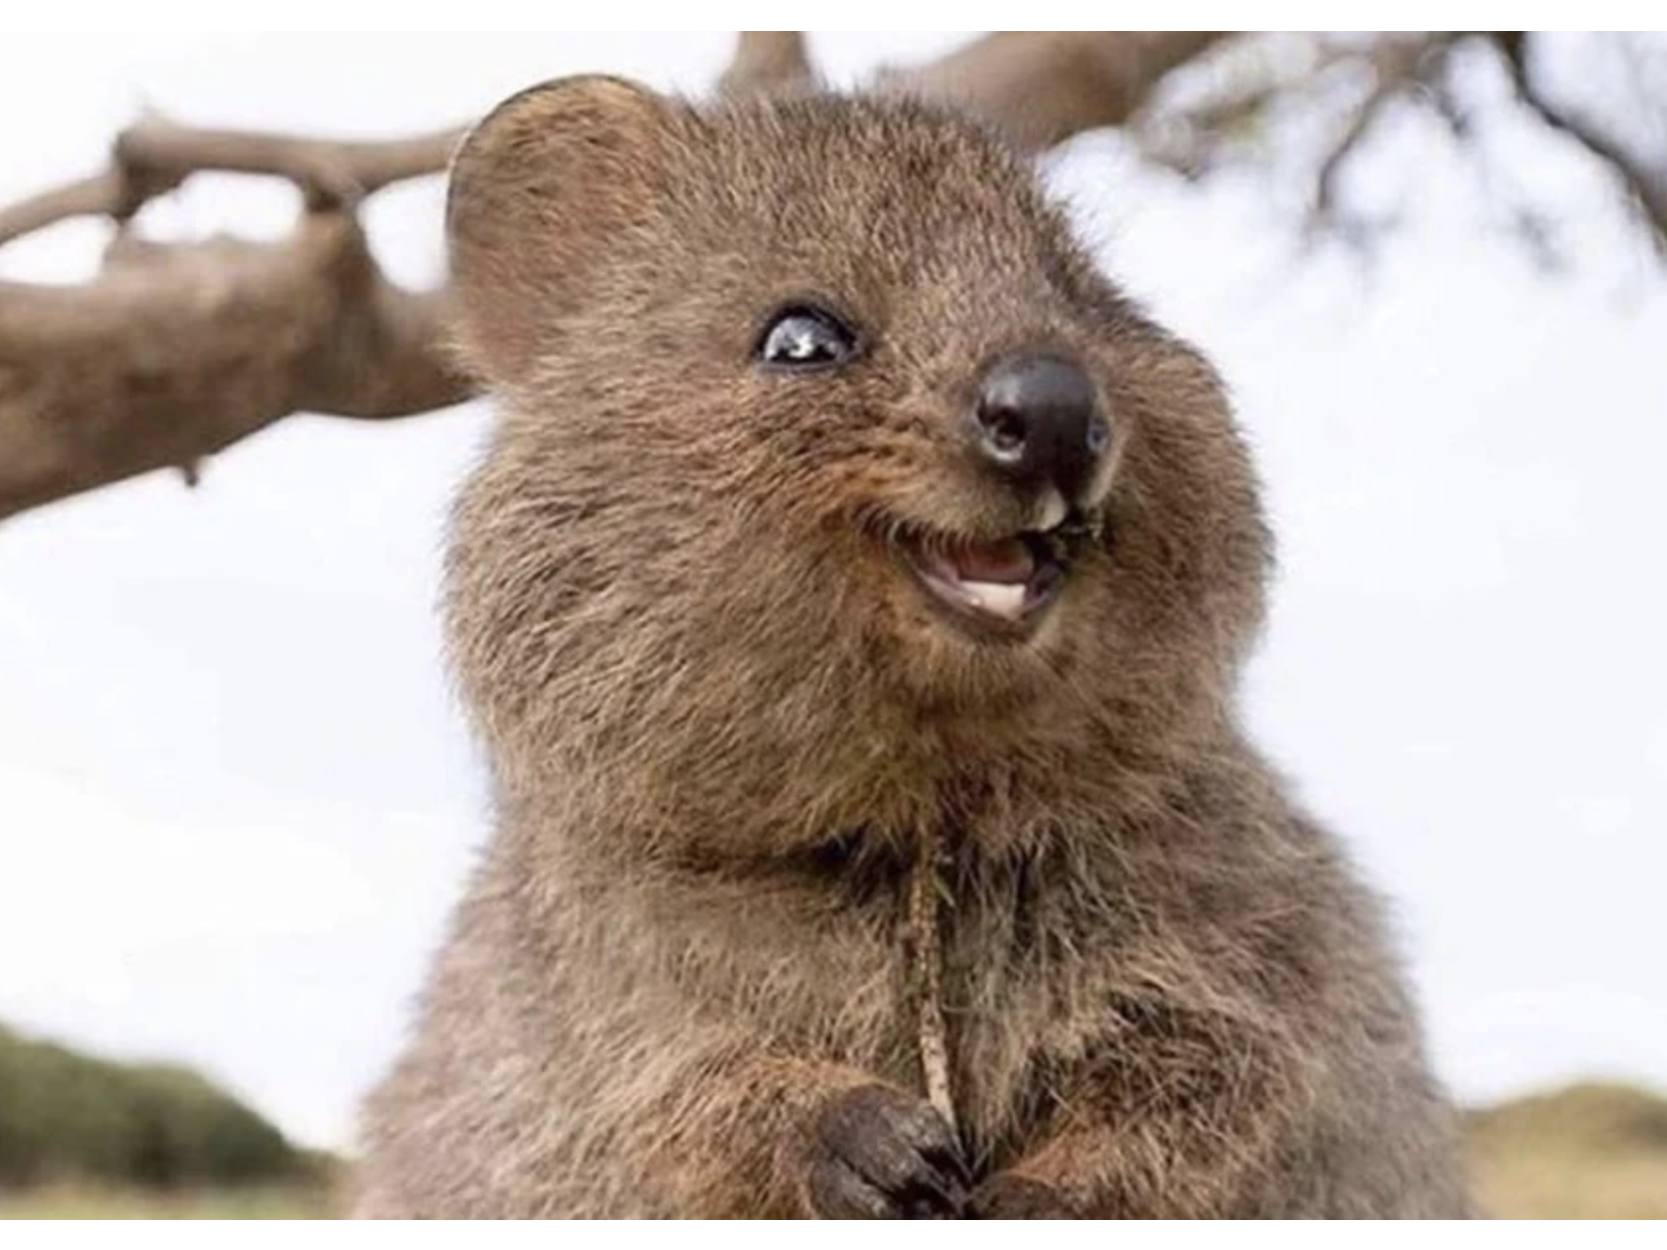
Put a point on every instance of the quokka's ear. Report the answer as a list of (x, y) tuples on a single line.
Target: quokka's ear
[(539, 192)]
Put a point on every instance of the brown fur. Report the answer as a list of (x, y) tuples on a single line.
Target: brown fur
[(720, 719)]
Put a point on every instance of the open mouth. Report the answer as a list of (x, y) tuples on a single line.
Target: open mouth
[(1001, 586)]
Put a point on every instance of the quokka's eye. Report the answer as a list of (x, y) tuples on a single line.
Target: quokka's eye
[(803, 337)]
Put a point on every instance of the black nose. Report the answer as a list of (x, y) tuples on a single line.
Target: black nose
[(1038, 422)]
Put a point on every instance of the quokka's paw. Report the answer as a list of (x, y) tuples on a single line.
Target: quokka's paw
[(881, 1154)]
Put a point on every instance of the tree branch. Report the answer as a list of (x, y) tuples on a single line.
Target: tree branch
[(1042, 87), (1397, 67), (767, 62), (331, 172), (177, 351), (102, 195), (1645, 188), (154, 156)]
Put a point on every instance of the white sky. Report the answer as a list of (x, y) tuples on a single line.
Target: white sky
[(236, 799)]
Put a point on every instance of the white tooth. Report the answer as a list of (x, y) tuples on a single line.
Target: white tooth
[(1000, 598), (1053, 510)]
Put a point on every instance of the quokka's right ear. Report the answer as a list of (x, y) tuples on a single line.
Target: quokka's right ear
[(539, 192)]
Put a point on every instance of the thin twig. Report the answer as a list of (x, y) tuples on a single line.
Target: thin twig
[(926, 952), (1397, 67), (1644, 186)]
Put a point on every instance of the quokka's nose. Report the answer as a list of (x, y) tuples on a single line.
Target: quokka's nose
[(1038, 421)]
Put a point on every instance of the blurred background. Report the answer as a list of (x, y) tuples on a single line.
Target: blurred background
[(237, 799)]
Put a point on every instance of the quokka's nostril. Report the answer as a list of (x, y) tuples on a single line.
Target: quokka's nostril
[(1038, 421), (1004, 432)]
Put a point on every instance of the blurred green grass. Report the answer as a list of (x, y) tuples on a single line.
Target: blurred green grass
[(64, 1114)]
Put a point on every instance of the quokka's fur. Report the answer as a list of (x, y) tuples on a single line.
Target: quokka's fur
[(721, 721)]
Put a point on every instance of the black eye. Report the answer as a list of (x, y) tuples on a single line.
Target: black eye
[(802, 337)]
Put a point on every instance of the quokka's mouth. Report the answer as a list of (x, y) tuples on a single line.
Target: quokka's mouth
[(999, 588)]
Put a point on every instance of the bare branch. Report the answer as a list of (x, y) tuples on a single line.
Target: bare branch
[(1348, 142), (1645, 187), (102, 195), (154, 156), (1042, 87), (1229, 98), (331, 171), (767, 62), (177, 351), (1397, 66)]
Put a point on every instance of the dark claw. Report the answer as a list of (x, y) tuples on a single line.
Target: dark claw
[(1009, 1197), (885, 1155)]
